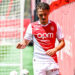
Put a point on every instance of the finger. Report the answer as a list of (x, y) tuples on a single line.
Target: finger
[(19, 46), (49, 53), (22, 47)]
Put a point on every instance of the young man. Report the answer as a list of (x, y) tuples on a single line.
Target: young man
[(44, 33)]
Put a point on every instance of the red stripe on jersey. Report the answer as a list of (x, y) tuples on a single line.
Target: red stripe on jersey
[(45, 35)]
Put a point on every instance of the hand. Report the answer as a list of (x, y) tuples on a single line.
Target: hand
[(20, 46), (51, 52)]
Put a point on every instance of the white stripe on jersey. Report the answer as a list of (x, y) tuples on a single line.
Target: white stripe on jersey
[(39, 53)]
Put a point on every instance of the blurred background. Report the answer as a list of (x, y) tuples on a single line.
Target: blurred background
[(15, 16)]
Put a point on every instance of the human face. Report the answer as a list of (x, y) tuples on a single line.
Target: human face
[(43, 16)]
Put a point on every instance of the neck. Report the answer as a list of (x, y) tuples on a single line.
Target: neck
[(44, 23)]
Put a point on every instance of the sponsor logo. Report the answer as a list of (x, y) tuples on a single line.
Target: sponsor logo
[(45, 35)]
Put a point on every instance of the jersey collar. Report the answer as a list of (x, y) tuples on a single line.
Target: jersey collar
[(45, 24)]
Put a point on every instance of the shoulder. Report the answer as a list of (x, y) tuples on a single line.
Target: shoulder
[(33, 23), (53, 22)]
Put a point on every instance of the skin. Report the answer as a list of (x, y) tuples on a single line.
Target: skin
[(51, 52), (43, 17)]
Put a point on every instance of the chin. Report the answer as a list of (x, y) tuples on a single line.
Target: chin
[(43, 23)]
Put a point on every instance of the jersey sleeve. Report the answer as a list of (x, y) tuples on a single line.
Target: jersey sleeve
[(28, 34), (59, 34)]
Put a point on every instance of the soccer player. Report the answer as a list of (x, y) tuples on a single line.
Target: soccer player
[(44, 33)]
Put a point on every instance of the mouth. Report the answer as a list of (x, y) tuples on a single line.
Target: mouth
[(43, 22)]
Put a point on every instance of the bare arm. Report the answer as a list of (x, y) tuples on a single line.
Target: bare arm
[(54, 50), (27, 38), (61, 45), (23, 44)]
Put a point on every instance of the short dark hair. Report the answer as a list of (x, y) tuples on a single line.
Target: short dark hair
[(42, 5)]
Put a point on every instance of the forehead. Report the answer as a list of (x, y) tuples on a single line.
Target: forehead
[(42, 11)]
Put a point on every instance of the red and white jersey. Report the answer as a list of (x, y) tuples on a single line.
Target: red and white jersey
[(44, 37)]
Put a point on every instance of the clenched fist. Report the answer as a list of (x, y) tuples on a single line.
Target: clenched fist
[(20, 46)]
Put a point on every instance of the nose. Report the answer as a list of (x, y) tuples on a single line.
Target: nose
[(43, 17)]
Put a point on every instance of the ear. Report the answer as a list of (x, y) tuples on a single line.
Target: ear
[(36, 13)]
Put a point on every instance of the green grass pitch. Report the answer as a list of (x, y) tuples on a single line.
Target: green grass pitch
[(9, 54), (27, 59)]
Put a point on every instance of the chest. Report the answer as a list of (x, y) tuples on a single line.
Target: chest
[(48, 31)]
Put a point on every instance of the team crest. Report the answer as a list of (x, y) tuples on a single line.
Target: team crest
[(52, 28)]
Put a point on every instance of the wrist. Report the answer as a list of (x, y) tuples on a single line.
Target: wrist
[(56, 49), (23, 43)]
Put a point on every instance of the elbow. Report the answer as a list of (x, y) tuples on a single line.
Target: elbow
[(63, 43)]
